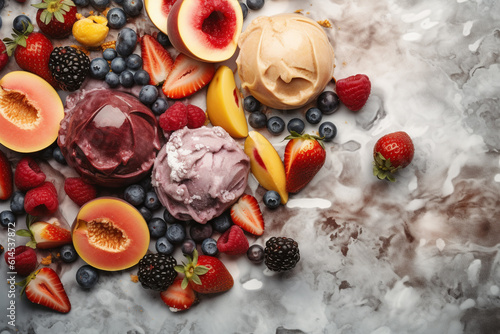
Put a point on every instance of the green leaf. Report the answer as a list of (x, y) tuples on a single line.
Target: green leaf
[(31, 244), (41, 5), (24, 233), (195, 257), (59, 17), (179, 269), (184, 283), (200, 270), (196, 280)]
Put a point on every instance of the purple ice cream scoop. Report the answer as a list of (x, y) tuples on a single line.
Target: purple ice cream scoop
[(108, 137), (200, 173)]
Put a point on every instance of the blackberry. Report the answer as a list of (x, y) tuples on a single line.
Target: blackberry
[(156, 271), (69, 67), (281, 253)]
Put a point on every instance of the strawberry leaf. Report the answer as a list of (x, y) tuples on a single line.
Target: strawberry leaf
[(196, 280), (201, 270), (23, 233), (59, 17)]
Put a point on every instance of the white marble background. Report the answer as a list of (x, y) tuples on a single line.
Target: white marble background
[(421, 255)]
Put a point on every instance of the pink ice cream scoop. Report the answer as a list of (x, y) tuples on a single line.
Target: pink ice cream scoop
[(109, 137), (200, 173)]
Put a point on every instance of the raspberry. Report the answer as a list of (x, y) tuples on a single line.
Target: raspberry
[(23, 258), (28, 174), (354, 91), (42, 200), (196, 117), (79, 191), (233, 241), (174, 118)]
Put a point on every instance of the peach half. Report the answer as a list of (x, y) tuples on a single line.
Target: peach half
[(266, 164), (110, 234), (158, 11), (224, 104), (30, 112), (205, 30)]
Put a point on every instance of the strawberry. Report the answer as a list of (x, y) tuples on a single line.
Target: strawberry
[(178, 298), (156, 60), (44, 235), (304, 157), (392, 152), (174, 118), (55, 18), (6, 179), (233, 241), (42, 200), (196, 117), (79, 191), (246, 214), (32, 52), (22, 260), (187, 77), (28, 174), (354, 91), (205, 274), (4, 58), (44, 287)]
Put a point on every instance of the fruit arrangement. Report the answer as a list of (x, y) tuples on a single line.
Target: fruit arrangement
[(114, 232)]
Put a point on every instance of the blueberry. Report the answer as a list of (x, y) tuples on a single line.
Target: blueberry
[(167, 216), (17, 203), (0, 22), (118, 65), (163, 246), (126, 42), (116, 18), (313, 115), (148, 94), (21, 22), (82, 3), (141, 77), (275, 125), (152, 202), (46, 153), (255, 254), (200, 232), (222, 223), (68, 253), (112, 79), (328, 102), (127, 79), (163, 39), (99, 67), (146, 213), (251, 104), (2, 4), (157, 227), (257, 120), (119, 2), (297, 125), (327, 131), (176, 233), (132, 7), (188, 246), (87, 276), (272, 199), (58, 156), (159, 106), (209, 247), (7, 219), (255, 4), (146, 183), (244, 9), (134, 194), (109, 54), (100, 5), (134, 62)]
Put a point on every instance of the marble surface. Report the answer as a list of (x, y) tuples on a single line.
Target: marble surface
[(421, 255)]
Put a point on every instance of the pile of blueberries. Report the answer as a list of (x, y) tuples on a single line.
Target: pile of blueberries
[(327, 103), (129, 8)]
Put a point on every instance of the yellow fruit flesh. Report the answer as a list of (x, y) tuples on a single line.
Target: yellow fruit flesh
[(266, 164), (91, 31), (224, 105)]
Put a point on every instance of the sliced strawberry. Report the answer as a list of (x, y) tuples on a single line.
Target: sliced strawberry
[(187, 77), (6, 178), (45, 235), (45, 288), (177, 298), (246, 214), (156, 60)]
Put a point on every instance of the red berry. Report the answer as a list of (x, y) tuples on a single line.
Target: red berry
[(79, 191), (392, 152), (174, 118), (28, 174), (4, 58), (196, 117), (354, 91), (233, 241), (22, 259), (42, 200)]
